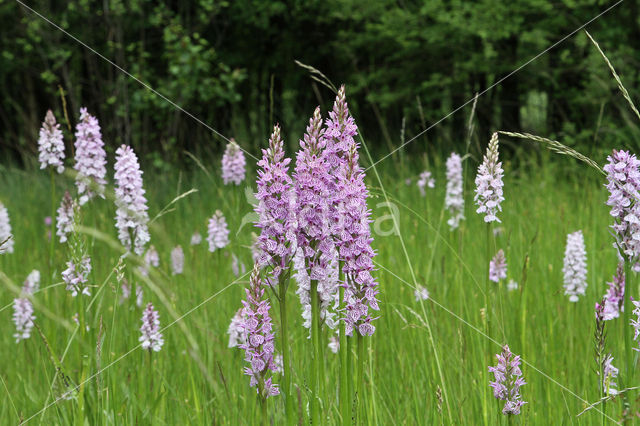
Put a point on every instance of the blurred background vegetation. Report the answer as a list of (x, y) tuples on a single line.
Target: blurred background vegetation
[(406, 65)]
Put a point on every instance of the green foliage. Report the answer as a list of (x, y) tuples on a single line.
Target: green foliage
[(231, 64)]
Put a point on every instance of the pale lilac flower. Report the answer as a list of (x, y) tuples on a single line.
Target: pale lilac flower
[(278, 361), (609, 373), (425, 180), (6, 238), (77, 275), (489, 183), (139, 296), (407, 181), (575, 267), (623, 183), (233, 164), (236, 331), (196, 239), (237, 267), (151, 257), (635, 323), (65, 219), (32, 283), (125, 288), (508, 380), (126, 293), (177, 260), (131, 214), (498, 267), (614, 298), (497, 231), (275, 209), (512, 285), (454, 200), (218, 232), (23, 318), (91, 159), (47, 224), (421, 293), (50, 144), (334, 344), (151, 338), (259, 347)]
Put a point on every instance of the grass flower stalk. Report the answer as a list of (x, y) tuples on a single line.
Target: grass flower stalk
[(488, 197)]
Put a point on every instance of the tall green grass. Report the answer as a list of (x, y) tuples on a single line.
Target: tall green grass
[(195, 378)]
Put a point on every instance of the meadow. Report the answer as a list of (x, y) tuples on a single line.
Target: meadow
[(320, 281), (427, 361)]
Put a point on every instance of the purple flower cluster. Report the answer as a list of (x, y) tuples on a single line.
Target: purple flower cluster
[(613, 300), (489, 183), (76, 276), (609, 373), (233, 164), (236, 331), (425, 180), (177, 260), (6, 238), (32, 283), (575, 267), (421, 293), (237, 267), (275, 208), (65, 218), (259, 347), (623, 183), (23, 316), (508, 380), (50, 144), (150, 337), (454, 200), (354, 245), (126, 293), (498, 267), (91, 159), (196, 238), (334, 344), (131, 213), (313, 190), (635, 323), (340, 131), (218, 236), (151, 259)]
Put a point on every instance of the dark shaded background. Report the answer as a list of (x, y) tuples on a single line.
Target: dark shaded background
[(231, 63)]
